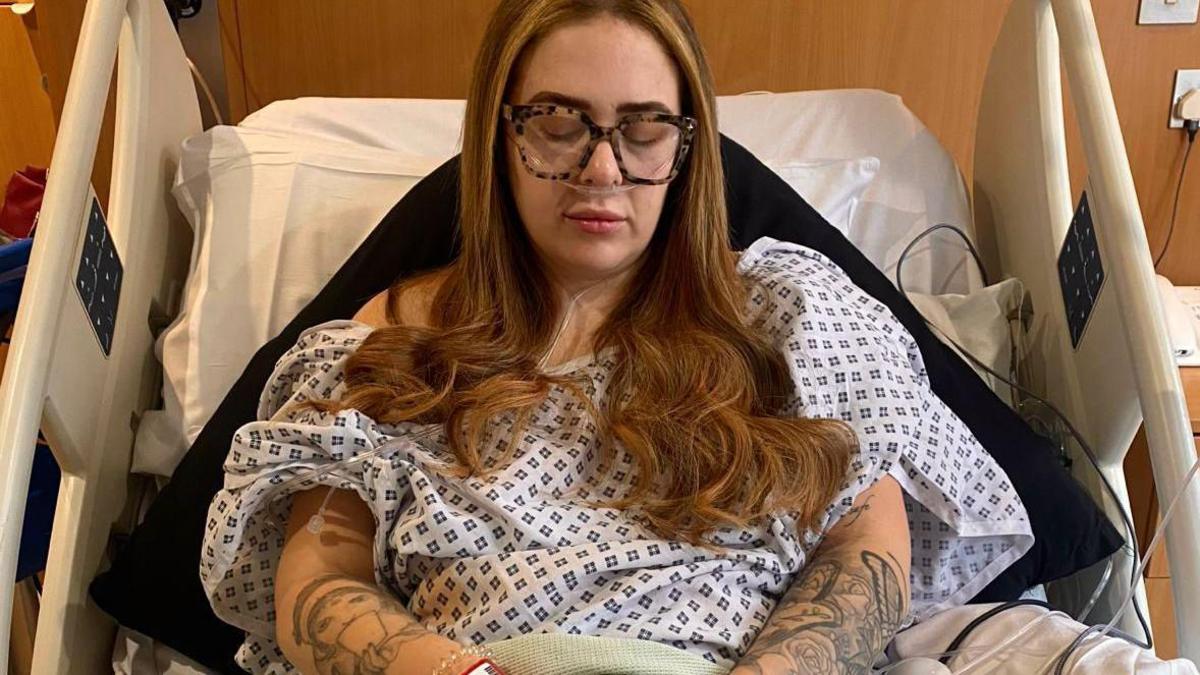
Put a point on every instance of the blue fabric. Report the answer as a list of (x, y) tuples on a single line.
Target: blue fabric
[(39, 513), (14, 258)]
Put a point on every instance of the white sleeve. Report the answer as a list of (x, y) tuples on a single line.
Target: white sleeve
[(850, 359), (291, 448)]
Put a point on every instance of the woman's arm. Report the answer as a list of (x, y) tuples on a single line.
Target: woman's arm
[(330, 615), (850, 598)]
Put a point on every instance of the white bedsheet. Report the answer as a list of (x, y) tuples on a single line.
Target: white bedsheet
[(1035, 652)]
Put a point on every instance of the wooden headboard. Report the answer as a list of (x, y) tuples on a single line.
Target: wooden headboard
[(933, 53)]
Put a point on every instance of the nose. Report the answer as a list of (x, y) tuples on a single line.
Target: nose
[(602, 167)]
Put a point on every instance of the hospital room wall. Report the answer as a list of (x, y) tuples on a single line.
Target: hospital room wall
[(1141, 63), (53, 32), (26, 122), (934, 54)]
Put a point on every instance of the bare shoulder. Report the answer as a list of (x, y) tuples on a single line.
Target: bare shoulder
[(412, 306)]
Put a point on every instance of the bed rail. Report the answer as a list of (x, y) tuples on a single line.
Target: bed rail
[(1123, 236), (1122, 371), (58, 376)]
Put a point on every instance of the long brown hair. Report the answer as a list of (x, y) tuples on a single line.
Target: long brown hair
[(697, 393)]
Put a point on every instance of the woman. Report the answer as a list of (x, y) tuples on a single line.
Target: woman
[(600, 421)]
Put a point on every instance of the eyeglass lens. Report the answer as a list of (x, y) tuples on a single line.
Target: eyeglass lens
[(646, 149)]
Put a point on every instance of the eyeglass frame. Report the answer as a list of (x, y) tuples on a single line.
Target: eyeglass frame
[(517, 114)]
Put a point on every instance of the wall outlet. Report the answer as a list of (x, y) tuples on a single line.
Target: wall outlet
[(1168, 11), (1185, 81)]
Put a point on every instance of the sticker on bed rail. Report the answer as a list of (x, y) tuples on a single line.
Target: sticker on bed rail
[(1080, 271), (99, 278)]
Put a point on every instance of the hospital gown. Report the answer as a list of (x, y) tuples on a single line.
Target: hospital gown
[(526, 549)]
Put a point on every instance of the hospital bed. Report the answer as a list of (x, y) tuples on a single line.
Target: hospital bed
[(88, 374)]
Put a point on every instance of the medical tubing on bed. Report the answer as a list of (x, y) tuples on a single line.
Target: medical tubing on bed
[(1099, 591), (925, 233), (1131, 594), (1055, 656), (1004, 645), (1131, 532), (1158, 533), (983, 618), (1061, 661)]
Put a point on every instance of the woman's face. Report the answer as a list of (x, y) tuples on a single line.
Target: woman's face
[(607, 68)]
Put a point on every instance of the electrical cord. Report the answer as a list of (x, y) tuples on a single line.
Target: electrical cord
[(1131, 543), (1190, 126), (978, 621), (928, 231), (1100, 587), (208, 95)]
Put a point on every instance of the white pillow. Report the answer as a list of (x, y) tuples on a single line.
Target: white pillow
[(917, 184), (979, 323), (274, 216), (831, 186)]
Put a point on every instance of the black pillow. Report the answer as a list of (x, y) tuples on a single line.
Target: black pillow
[(153, 585)]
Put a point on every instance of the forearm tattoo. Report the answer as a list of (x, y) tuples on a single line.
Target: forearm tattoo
[(836, 618), (353, 627)]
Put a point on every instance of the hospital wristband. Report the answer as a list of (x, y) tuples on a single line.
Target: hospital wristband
[(482, 665)]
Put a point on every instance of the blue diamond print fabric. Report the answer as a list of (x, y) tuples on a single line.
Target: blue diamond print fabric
[(525, 549)]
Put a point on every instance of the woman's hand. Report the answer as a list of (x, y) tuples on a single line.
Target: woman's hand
[(848, 601), (331, 617)]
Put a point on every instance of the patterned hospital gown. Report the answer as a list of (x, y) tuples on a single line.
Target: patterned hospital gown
[(521, 550)]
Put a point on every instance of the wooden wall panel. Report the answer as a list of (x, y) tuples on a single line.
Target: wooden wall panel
[(424, 48), (933, 53), (53, 29), (415, 48), (1141, 63), (26, 123)]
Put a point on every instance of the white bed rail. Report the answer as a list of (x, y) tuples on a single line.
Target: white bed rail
[(1123, 237), (1122, 370), (57, 376)]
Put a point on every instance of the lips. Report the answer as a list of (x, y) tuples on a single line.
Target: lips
[(595, 221)]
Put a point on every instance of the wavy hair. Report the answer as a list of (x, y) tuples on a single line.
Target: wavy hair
[(698, 396)]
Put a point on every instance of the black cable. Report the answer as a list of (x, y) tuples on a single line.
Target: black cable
[(1191, 126), (1087, 450), (1083, 445), (978, 621), (928, 231)]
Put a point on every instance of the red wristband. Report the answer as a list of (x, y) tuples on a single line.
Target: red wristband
[(483, 667)]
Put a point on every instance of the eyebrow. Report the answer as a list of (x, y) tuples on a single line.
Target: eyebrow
[(573, 102)]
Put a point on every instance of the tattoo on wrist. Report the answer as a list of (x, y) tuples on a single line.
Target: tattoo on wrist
[(353, 627), (836, 618)]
